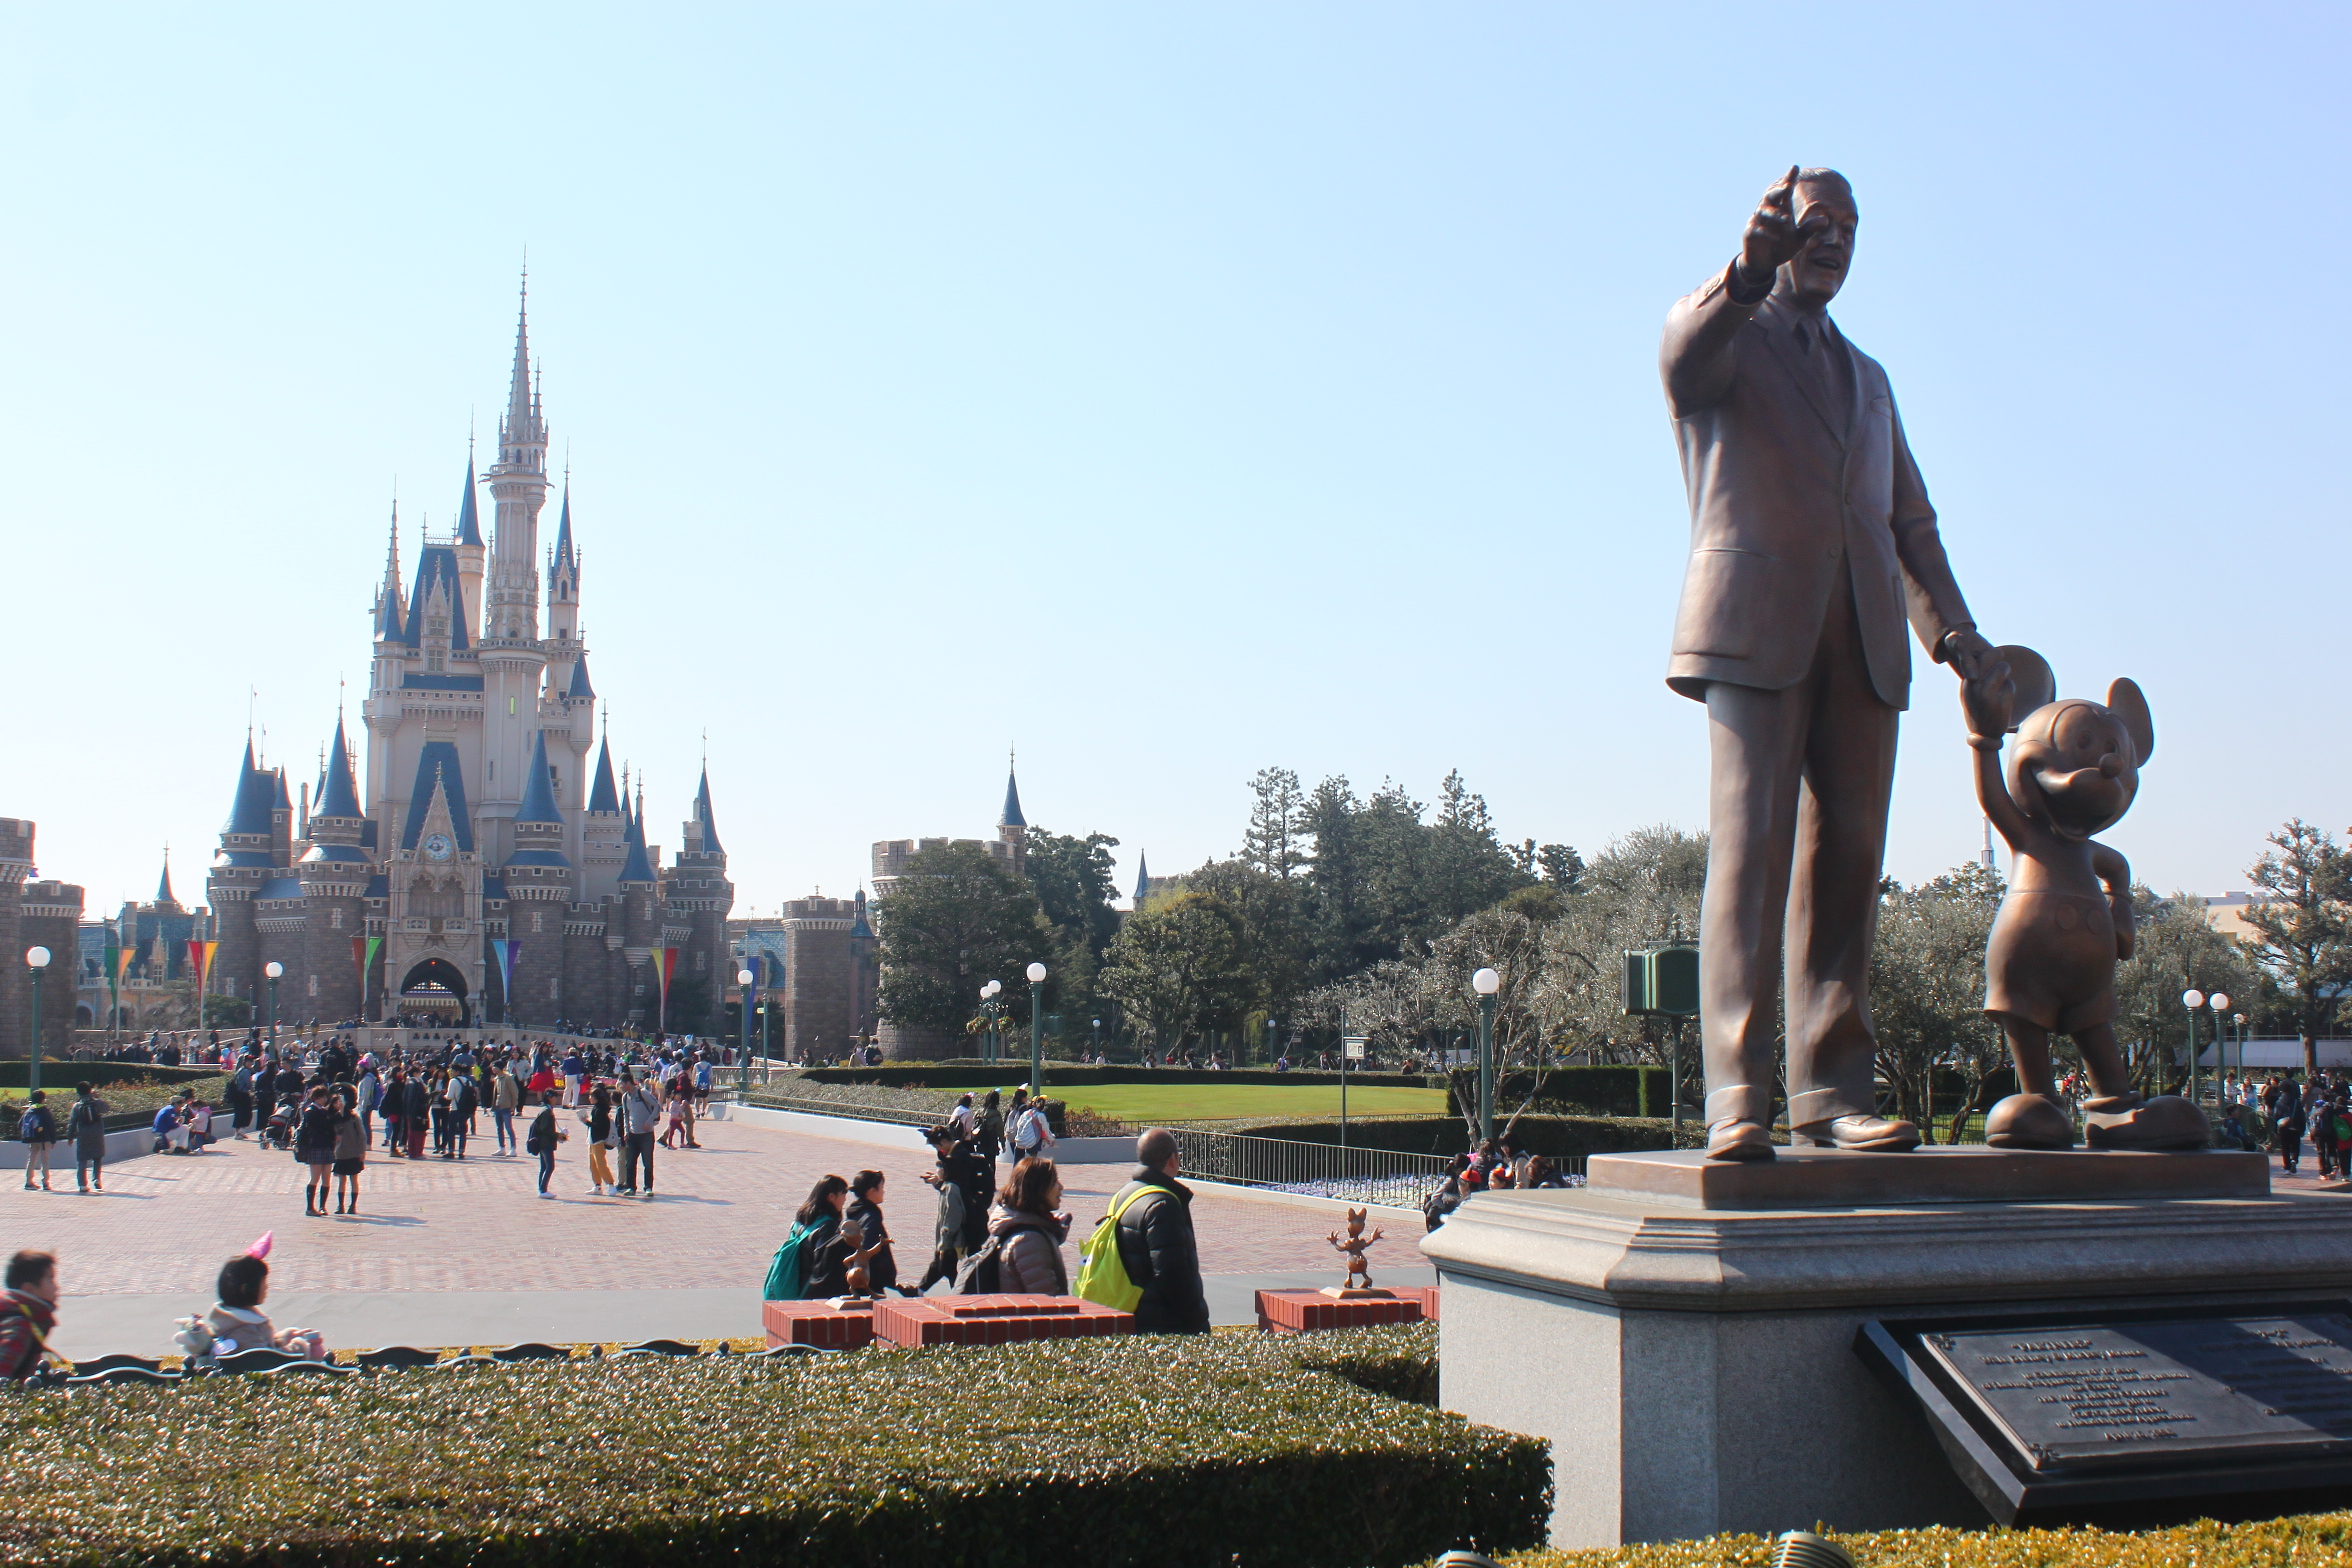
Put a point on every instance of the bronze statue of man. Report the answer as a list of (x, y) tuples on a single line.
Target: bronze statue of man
[(1811, 538)]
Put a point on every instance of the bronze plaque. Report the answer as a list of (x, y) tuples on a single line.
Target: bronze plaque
[(2160, 1392)]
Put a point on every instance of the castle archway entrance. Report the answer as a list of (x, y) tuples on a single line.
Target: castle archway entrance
[(436, 989)]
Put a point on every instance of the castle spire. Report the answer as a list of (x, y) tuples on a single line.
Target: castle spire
[(338, 796), (163, 892), (1012, 817), (391, 610), (563, 528), (702, 813), (639, 867), (539, 792), (518, 398), (603, 797), (469, 520)]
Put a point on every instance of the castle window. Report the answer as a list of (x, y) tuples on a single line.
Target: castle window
[(335, 919), (314, 985), (554, 988)]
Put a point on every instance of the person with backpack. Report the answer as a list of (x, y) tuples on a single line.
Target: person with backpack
[(640, 1115), (28, 1311), (36, 1129), (812, 1253), (1031, 1134), (85, 1124), (545, 1135), (1028, 1233), (1142, 1258)]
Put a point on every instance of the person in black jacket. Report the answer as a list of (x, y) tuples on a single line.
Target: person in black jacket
[(824, 1255), (865, 1210), (1155, 1241), (314, 1146)]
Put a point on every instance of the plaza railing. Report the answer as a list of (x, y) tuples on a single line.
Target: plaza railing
[(1322, 1170)]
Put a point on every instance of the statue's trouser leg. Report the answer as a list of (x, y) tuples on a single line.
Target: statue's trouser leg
[(1800, 780)]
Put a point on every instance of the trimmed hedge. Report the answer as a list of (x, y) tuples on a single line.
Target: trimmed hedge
[(960, 1076), (131, 1104), (1555, 1136), (63, 1073), (1186, 1452), (2298, 1539), (1579, 1091)]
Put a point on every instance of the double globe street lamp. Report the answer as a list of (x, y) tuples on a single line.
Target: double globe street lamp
[(2192, 999), (990, 1041)]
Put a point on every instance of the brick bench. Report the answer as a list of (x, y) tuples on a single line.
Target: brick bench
[(815, 1323), (994, 1320), (1310, 1311)]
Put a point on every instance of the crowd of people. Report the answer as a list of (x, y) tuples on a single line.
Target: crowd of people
[(320, 1099), (991, 1236), (2278, 1113)]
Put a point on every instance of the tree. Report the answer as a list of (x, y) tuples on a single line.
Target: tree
[(2174, 947), (1178, 967), (1277, 824), (1072, 877), (955, 919), (1562, 867), (1273, 927), (2303, 936), (1927, 988), (1643, 888)]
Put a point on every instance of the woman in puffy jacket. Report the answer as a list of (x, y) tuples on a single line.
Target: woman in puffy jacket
[(1029, 1251)]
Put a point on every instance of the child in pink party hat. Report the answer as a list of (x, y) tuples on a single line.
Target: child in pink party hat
[(236, 1321)]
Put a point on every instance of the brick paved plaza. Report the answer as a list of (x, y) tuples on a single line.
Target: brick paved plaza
[(433, 1233)]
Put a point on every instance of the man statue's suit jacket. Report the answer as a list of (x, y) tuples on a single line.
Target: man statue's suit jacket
[(1792, 497)]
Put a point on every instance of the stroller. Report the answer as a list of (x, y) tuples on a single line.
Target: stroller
[(278, 1131)]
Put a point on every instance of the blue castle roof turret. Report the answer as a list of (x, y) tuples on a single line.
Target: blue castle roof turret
[(539, 794)]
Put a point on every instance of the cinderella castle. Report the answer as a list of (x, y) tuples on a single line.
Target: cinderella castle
[(486, 873)]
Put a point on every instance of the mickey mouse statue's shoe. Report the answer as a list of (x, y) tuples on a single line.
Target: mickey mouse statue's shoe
[(2029, 1121), (2125, 1121), (1865, 1134)]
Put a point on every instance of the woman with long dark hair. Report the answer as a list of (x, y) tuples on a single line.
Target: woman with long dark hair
[(813, 1262)]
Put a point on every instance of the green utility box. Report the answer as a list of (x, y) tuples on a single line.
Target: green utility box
[(1662, 981)]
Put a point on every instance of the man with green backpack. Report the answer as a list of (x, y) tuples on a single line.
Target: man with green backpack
[(1142, 1257)]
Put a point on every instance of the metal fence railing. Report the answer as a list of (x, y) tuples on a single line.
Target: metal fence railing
[(1323, 1170)]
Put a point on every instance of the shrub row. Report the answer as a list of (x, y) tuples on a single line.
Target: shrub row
[(132, 1104), (1579, 1091), (1556, 1136), (1184, 1452), (59, 1072), (2299, 1539), (960, 1076)]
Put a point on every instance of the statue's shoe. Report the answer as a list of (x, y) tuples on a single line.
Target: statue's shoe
[(1739, 1140), (2165, 1122), (1865, 1134), (2029, 1121)]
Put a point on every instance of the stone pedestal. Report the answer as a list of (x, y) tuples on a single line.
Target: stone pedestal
[(816, 1323), (1312, 1311), (1694, 1367), (994, 1320)]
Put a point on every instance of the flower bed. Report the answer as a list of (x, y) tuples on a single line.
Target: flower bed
[(1173, 1452), (2301, 1539), (127, 1104)]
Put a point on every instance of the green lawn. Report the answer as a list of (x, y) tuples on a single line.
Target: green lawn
[(1199, 1097)]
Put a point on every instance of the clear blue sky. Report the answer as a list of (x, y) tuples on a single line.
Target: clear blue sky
[(1170, 390)]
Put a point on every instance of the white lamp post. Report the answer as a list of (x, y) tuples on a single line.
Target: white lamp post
[(1486, 983), (1036, 1031), (2192, 999), (273, 969), (37, 960)]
